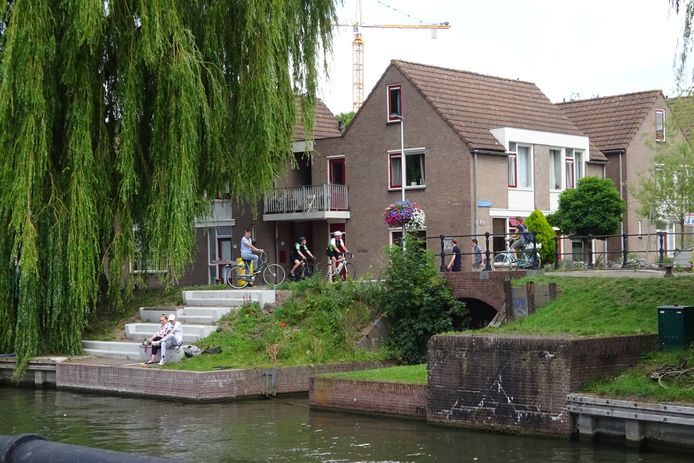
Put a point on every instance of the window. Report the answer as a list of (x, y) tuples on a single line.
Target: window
[(414, 170), (554, 169), (570, 183), (659, 125), (512, 169), (574, 167), (394, 102), (519, 166)]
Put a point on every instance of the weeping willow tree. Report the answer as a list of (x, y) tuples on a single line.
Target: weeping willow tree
[(122, 115)]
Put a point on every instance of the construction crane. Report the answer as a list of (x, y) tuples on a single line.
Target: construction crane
[(358, 49)]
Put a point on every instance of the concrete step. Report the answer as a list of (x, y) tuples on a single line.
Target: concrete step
[(189, 314), (125, 350), (227, 297), (191, 333)]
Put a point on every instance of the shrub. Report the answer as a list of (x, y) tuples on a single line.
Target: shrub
[(537, 222), (417, 300)]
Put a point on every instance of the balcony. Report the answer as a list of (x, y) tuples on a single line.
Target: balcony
[(311, 202), (220, 215)]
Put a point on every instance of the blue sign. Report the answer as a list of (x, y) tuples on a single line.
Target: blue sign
[(482, 203)]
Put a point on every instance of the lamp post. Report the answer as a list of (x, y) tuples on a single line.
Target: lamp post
[(402, 170)]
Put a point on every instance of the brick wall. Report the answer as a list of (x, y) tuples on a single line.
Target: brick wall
[(369, 396), (516, 383), (191, 385)]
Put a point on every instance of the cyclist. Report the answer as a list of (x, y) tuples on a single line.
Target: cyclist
[(524, 237), (336, 247), (299, 255), (247, 250)]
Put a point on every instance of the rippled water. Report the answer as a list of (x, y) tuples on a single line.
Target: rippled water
[(279, 430)]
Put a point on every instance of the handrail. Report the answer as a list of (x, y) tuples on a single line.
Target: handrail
[(307, 198)]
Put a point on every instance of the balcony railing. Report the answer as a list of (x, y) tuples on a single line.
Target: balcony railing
[(310, 198)]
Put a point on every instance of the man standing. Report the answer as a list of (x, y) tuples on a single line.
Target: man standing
[(455, 264), (247, 250), (476, 255), (173, 339)]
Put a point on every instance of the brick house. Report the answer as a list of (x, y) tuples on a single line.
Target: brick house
[(286, 212), (626, 129), (480, 150)]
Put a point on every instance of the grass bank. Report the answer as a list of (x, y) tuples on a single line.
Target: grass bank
[(603, 306), (410, 374), (321, 323)]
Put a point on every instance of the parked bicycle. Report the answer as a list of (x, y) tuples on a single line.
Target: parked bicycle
[(239, 276), (508, 260), (344, 269)]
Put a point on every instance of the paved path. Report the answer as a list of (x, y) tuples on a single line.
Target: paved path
[(618, 274)]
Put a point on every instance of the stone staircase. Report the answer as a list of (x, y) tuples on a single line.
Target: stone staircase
[(200, 311)]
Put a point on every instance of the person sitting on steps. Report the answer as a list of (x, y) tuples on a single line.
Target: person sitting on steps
[(155, 340), (173, 339)]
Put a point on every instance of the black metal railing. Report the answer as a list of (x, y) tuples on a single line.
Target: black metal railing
[(661, 255)]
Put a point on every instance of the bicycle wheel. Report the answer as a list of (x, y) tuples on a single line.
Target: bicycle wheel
[(262, 259), (502, 261), (312, 268), (348, 272), (273, 275), (236, 279)]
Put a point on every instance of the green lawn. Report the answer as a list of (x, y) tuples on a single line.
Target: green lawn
[(604, 306), (411, 374)]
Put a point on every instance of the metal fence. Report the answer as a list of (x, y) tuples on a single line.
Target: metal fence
[(589, 251)]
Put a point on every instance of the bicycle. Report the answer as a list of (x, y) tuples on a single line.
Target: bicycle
[(239, 276), (345, 269), (508, 259), (306, 269)]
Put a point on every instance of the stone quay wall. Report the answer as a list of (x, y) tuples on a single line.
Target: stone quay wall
[(369, 396), (191, 385), (517, 382)]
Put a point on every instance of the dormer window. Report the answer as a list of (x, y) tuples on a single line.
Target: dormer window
[(659, 125), (394, 102)]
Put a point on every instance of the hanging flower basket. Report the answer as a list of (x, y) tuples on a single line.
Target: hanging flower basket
[(404, 213)]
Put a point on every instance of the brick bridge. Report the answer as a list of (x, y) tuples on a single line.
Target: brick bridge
[(492, 288)]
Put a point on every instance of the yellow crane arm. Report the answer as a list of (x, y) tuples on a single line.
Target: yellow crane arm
[(408, 26)]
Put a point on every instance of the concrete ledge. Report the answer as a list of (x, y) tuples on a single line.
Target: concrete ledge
[(636, 422), (193, 386), (369, 396), (40, 372)]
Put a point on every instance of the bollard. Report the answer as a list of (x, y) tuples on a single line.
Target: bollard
[(32, 448)]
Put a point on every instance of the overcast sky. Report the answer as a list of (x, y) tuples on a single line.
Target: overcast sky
[(583, 48)]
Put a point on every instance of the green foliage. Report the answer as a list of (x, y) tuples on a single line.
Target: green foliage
[(126, 114), (593, 208), (417, 300), (636, 382), (410, 374), (320, 323), (346, 118), (602, 306), (537, 222), (666, 190)]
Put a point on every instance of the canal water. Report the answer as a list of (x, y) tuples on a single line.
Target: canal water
[(279, 430)]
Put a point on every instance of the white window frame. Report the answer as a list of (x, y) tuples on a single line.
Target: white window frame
[(409, 153), (660, 118), (393, 116), (555, 178), (516, 162)]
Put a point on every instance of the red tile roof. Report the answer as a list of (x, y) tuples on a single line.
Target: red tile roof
[(324, 123), (472, 104), (611, 122)]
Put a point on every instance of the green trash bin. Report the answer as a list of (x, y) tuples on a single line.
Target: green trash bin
[(675, 326)]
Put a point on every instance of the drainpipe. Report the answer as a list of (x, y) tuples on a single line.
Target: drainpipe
[(474, 195)]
